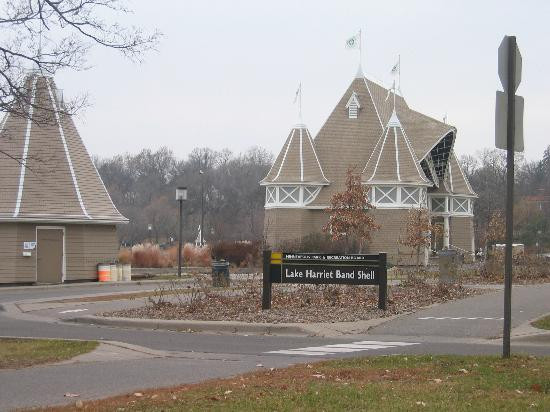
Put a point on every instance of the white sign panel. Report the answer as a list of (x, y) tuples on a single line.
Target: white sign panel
[(501, 122), (29, 245), (503, 64)]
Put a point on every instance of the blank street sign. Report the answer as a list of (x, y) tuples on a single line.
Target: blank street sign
[(503, 64), (501, 118)]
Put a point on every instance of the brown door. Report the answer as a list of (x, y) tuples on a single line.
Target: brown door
[(49, 255)]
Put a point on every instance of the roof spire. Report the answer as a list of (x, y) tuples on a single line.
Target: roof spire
[(356, 43), (298, 98), (396, 72)]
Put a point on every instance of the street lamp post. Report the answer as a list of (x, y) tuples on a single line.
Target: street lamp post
[(181, 196), (201, 172)]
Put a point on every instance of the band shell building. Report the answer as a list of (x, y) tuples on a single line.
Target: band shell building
[(57, 221), (407, 160)]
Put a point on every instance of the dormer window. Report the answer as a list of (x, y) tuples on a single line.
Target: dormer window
[(353, 106)]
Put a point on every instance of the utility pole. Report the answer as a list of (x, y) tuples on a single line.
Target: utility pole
[(202, 173), (181, 196)]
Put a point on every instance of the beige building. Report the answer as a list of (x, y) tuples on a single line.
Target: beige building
[(57, 221), (406, 158)]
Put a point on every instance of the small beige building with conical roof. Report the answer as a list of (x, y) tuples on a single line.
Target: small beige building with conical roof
[(406, 159), (57, 220)]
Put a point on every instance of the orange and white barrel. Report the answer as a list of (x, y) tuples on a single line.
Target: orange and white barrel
[(127, 272), (103, 272), (114, 272)]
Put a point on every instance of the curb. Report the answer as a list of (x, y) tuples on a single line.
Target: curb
[(233, 327), (85, 284), (526, 330)]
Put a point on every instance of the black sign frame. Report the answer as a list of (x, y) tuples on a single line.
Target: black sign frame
[(322, 268)]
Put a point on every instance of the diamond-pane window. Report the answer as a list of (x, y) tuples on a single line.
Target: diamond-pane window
[(460, 205), (386, 194), (410, 195), (438, 204), (270, 195), (310, 193), (289, 194)]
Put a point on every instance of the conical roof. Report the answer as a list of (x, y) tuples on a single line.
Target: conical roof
[(297, 162), (455, 181), (393, 159), (46, 173)]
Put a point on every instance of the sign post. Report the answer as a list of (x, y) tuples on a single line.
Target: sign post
[(318, 268), (509, 71)]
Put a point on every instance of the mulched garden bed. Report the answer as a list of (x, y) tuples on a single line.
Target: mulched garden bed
[(301, 304)]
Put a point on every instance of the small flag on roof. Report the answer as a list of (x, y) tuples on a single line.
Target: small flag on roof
[(298, 92), (354, 42), (395, 68)]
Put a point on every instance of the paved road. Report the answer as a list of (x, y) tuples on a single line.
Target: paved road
[(191, 357)]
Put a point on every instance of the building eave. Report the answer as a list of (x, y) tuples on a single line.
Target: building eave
[(38, 219), (296, 182)]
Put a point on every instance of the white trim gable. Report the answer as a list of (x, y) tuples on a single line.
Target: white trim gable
[(353, 106)]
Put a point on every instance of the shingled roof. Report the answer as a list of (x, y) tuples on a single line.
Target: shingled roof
[(393, 159), (455, 182), (344, 142), (297, 162), (46, 174)]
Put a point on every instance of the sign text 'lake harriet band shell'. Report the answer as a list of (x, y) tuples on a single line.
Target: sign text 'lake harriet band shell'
[(327, 269), (320, 268)]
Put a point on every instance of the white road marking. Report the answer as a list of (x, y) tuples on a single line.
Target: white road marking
[(73, 310), (341, 348), (457, 318)]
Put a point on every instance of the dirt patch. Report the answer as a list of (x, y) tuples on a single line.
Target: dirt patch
[(300, 304)]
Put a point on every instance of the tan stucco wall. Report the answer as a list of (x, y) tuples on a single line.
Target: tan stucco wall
[(290, 224), (85, 247), (461, 232)]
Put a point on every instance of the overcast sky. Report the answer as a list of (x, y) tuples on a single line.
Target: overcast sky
[(226, 72)]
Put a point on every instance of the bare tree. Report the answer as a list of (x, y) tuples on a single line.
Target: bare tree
[(48, 35), (349, 216), (418, 230)]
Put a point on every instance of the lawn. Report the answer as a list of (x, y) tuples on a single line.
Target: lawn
[(542, 323), (21, 353), (458, 383)]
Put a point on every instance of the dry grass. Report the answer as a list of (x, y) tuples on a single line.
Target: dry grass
[(395, 383), (152, 256), (21, 353)]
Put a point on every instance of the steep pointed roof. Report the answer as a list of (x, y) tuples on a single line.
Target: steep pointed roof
[(393, 159), (455, 182), (297, 162), (52, 177)]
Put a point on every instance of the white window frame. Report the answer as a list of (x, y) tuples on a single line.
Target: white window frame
[(270, 194), (437, 200), (460, 205), (403, 196), (301, 195), (385, 192), (289, 192), (407, 192), (310, 193)]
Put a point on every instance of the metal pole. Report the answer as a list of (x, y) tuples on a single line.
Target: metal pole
[(202, 200), (383, 282), (266, 284), (510, 142), (180, 238)]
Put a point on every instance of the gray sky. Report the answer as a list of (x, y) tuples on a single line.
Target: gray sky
[(226, 72)]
